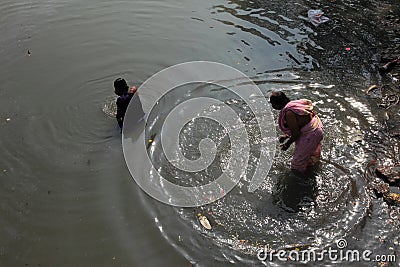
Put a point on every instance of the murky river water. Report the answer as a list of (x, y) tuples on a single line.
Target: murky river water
[(67, 197)]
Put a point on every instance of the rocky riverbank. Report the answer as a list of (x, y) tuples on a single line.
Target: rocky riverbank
[(359, 43), (356, 44)]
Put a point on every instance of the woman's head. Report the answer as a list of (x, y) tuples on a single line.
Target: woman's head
[(278, 100), (120, 86)]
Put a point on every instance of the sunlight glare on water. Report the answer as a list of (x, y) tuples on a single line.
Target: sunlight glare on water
[(67, 195)]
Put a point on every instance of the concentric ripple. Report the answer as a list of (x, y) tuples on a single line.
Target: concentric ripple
[(288, 211)]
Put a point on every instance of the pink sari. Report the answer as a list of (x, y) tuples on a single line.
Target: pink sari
[(308, 145)]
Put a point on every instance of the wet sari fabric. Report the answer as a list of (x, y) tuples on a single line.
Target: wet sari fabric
[(308, 145)]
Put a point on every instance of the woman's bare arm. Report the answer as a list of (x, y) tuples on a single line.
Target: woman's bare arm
[(294, 127)]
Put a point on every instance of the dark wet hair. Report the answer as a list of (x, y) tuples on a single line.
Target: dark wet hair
[(278, 98), (120, 86)]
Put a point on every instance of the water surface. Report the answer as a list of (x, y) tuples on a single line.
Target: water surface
[(67, 196)]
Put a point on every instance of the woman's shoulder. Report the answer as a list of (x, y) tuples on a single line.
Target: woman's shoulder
[(302, 101)]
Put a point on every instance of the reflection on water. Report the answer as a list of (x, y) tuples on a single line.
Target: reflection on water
[(294, 192), (67, 197)]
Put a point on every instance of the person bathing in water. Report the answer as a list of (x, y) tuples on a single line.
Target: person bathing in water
[(300, 124), (125, 94)]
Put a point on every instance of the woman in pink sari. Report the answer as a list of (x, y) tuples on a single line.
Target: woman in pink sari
[(300, 124)]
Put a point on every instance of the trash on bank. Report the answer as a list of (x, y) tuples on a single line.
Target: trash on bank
[(388, 66), (390, 174), (316, 17), (389, 101), (392, 199), (383, 190)]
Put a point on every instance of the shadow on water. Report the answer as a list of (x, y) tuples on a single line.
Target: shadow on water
[(296, 191)]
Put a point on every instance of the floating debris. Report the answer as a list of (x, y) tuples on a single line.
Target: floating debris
[(380, 238), (204, 221), (388, 66), (151, 140), (372, 87), (29, 53), (386, 116), (8, 119), (296, 247), (316, 17), (383, 190), (389, 101), (392, 199), (390, 174)]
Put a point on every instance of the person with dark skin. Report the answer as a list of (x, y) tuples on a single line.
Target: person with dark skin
[(125, 94), (301, 125)]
